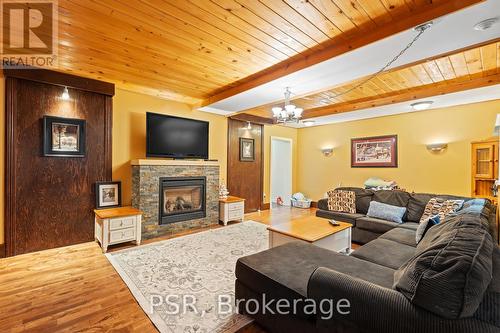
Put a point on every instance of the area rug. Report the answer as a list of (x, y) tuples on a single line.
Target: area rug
[(186, 284)]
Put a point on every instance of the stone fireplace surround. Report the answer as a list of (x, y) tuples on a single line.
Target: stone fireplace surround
[(146, 174)]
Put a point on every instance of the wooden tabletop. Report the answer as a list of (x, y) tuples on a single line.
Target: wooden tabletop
[(309, 229), (110, 213), (230, 199)]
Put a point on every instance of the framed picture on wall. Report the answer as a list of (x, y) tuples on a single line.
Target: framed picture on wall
[(108, 194), (375, 152), (63, 137), (247, 150)]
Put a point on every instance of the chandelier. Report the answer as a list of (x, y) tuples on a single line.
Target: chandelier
[(289, 112)]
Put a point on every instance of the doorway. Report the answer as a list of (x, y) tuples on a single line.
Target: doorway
[(281, 170)]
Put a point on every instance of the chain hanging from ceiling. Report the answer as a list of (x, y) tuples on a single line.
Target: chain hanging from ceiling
[(420, 29), (290, 113)]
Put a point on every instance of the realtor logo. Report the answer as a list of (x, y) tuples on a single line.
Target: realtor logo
[(29, 33)]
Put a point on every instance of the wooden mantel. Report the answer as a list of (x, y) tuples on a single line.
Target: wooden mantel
[(153, 161)]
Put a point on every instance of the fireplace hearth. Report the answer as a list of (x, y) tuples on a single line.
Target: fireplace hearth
[(182, 199)]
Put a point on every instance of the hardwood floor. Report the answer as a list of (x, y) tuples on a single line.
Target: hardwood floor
[(75, 289), (70, 289)]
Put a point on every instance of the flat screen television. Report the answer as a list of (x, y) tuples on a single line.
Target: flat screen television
[(169, 136)]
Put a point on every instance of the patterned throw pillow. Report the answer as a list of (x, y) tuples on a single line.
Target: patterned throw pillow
[(342, 201), (441, 207)]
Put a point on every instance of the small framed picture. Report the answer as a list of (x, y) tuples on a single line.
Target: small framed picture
[(375, 152), (108, 194), (63, 137), (247, 150)]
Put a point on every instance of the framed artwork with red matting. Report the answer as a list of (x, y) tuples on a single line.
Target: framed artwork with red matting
[(375, 152)]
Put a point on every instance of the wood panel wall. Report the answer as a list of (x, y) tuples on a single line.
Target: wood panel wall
[(49, 200), (245, 179)]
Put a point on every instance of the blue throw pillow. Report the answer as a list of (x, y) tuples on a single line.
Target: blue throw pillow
[(425, 225), (473, 206), (386, 212)]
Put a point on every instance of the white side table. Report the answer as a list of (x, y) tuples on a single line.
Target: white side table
[(231, 209), (117, 225)]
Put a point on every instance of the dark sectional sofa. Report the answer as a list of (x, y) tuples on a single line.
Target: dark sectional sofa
[(366, 229), (449, 282)]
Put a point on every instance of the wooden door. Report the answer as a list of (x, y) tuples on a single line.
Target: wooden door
[(244, 178), (50, 200), (483, 161)]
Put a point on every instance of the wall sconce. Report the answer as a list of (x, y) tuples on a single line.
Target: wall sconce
[(65, 94), (327, 152), (437, 147), (249, 126)]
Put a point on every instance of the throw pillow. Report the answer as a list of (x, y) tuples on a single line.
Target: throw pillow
[(441, 207), (342, 201), (425, 226), (386, 212)]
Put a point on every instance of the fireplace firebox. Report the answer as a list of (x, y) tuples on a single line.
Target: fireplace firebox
[(182, 199)]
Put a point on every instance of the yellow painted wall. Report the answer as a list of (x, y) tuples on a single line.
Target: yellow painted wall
[(419, 170), (314, 174), (283, 132), (129, 132)]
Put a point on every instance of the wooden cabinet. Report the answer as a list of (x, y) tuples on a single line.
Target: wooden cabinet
[(117, 225), (231, 209), (484, 168)]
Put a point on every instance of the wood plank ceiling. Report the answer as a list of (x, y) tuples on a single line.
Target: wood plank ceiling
[(189, 50), (471, 68)]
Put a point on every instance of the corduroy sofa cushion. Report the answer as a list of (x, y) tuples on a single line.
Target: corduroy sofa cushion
[(401, 235), (416, 205), (394, 198), (451, 268), (338, 216), (385, 252)]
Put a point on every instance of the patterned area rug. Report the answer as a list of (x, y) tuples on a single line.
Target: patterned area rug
[(186, 284)]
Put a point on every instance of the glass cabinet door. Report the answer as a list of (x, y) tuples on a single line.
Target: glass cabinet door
[(483, 161)]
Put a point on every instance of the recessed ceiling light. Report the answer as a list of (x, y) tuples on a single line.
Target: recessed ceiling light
[(421, 105), (486, 24), (308, 123)]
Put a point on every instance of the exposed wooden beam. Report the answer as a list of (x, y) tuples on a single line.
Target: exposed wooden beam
[(425, 91), (60, 79), (337, 46), (252, 118), (456, 73)]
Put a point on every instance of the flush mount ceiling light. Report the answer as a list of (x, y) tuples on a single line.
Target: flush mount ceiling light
[(424, 26), (289, 112), (308, 123), (486, 24), (421, 105), (65, 94)]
